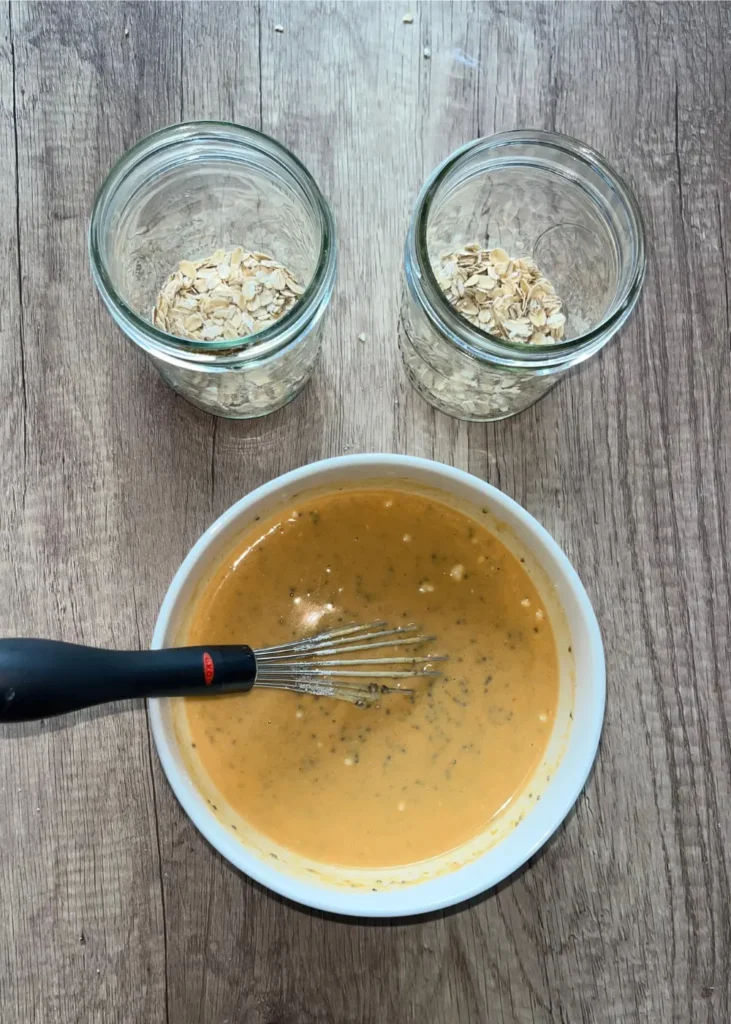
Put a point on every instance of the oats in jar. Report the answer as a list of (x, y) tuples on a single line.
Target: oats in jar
[(503, 295), (229, 295)]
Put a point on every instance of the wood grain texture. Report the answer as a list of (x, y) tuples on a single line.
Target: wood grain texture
[(114, 908)]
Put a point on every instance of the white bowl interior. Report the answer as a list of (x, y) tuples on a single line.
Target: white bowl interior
[(512, 838)]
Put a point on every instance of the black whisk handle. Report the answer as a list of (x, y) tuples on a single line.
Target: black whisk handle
[(40, 678)]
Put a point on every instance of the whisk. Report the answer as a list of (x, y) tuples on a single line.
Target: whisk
[(41, 678)]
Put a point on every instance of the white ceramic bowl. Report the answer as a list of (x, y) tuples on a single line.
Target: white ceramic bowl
[(525, 826)]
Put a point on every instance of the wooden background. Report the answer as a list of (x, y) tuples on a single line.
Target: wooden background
[(112, 907)]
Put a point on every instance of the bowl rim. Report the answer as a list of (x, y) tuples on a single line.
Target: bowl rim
[(452, 887)]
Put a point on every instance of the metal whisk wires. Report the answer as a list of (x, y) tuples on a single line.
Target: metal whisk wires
[(316, 665)]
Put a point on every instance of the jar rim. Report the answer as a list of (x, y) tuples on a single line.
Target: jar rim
[(480, 344), (253, 347)]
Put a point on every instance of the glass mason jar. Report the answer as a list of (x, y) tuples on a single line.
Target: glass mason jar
[(534, 194), (184, 193)]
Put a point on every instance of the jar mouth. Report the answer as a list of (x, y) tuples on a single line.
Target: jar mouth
[(423, 283), (262, 344)]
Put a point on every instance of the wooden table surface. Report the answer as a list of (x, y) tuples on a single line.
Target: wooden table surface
[(114, 909)]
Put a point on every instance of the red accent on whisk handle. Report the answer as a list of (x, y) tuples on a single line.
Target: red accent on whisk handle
[(40, 678)]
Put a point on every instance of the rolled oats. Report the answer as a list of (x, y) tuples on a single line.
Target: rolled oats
[(503, 295), (229, 295)]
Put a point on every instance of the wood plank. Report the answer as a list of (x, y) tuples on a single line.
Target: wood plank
[(82, 935)]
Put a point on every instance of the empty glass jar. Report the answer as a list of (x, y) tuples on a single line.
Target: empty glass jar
[(533, 194), (184, 193)]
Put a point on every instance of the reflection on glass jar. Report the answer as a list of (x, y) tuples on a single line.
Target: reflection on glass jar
[(532, 194), (184, 193)]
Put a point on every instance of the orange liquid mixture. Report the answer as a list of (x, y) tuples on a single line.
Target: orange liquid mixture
[(412, 777)]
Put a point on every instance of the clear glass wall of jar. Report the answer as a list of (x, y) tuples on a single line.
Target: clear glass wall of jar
[(533, 194), (184, 193)]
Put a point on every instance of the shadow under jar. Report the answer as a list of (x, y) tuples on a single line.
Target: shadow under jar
[(534, 194), (184, 193)]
